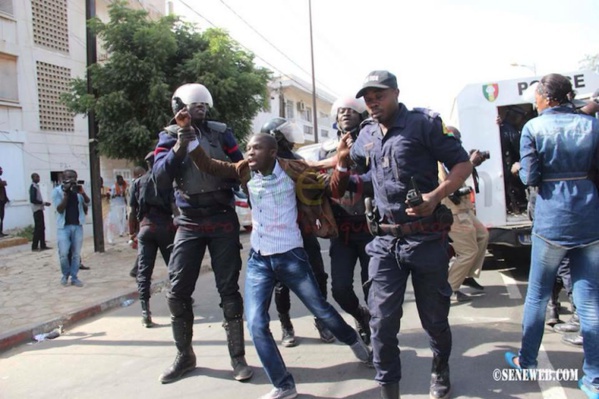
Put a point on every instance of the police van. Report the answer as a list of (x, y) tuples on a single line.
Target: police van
[(475, 111)]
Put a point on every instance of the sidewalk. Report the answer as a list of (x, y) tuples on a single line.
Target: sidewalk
[(32, 301)]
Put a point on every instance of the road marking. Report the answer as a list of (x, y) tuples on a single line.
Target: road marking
[(511, 285), (549, 389)]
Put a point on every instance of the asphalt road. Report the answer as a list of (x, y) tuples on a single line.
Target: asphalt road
[(112, 356)]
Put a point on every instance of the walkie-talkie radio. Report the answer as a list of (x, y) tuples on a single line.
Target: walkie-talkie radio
[(414, 197)]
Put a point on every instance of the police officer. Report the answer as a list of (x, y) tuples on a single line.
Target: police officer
[(350, 245), (207, 220), (155, 231), (401, 146), (287, 135)]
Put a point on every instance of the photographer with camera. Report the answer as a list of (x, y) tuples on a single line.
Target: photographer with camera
[(468, 235), (71, 204)]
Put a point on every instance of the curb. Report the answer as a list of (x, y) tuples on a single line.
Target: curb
[(11, 339)]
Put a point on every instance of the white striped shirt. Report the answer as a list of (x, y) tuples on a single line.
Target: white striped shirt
[(274, 213)]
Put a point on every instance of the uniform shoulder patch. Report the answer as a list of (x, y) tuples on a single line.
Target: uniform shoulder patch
[(427, 111), (446, 131), (217, 126)]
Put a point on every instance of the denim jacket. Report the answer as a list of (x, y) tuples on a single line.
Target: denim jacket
[(558, 149), (57, 196)]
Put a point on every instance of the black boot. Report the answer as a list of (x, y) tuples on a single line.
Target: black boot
[(390, 391), (363, 324), (552, 312), (234, 329), (440, 385), (288, 339), (182, 323), (146, 315)]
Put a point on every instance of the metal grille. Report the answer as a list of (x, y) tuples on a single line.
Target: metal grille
[(52, 80), (50, 24)]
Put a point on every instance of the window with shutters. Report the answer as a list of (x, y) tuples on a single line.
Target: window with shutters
[(52, 81), (9, 90), (6, 7), (50, 24)]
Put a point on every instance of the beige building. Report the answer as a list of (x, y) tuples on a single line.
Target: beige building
[(293, 96), (43, 46)]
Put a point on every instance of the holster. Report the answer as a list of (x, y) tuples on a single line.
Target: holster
[(440, 221), (372, 217)]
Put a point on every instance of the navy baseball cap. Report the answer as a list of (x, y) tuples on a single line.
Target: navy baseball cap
[(378, 80)]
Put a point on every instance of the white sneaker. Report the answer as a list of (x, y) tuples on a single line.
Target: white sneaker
[(280, 393)]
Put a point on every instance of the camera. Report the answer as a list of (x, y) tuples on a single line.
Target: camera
[(457, 194), (485, 155)]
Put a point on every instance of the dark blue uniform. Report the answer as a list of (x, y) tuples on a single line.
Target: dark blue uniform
[(207, 220), (414, 143)]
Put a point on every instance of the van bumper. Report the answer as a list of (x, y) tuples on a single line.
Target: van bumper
[(515, 237)]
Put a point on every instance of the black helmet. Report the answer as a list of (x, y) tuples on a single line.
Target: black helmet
[(289, 130)]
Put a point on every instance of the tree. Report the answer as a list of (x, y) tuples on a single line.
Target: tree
[(147, 60), (590, 62)]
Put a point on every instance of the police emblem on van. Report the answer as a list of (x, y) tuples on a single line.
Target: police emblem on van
[(491, 91)]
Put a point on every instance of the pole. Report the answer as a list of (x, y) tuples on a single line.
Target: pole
[(315, 112), (92, 125)]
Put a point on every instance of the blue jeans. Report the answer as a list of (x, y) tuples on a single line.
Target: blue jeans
[(292, 269), (70, 238), (584, 269)]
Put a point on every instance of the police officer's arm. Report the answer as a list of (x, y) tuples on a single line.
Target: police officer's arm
[(230, 146), (448, 150), (168, 157), (530, 172), (134, 205)]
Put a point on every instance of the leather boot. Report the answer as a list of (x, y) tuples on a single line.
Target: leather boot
[(182, 324), (440, 385), (363, 323), (552, 312), (288, 339), (572, 326), (573, 339), (234, 329), (146, 315), (390, 391)]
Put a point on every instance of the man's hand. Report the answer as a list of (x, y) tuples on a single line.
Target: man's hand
[(476, 158), (186, 132), (515, 168), (343, 150), (430, 202)]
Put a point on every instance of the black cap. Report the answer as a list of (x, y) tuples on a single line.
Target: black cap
[(378, 80)]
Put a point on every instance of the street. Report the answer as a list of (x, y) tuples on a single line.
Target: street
[(113, 356)]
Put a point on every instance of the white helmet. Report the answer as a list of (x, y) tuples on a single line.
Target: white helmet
[(357, 104), (191, 93), (290, 130)]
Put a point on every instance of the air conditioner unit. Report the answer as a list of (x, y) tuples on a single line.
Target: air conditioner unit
[(301, 106)]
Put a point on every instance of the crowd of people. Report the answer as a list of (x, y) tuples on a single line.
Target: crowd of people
[(393, 198)]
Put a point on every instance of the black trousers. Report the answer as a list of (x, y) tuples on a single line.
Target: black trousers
[(2, 204), (39, 230), (151, 238)]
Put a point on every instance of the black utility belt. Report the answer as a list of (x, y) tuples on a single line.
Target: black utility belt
[(440, 221), (205, 211)]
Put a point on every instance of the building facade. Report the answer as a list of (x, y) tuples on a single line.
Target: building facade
[(291, 98), (42, 47)]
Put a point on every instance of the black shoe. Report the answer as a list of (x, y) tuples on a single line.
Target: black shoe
[(133, 272), (573, 340), (35, 249), (363, 324), (184, 362), (552, 314), (472, 283), (241, 370), (459, 296), (83, 267), (45, 248)]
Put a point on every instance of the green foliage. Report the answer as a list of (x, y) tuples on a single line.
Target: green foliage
[(147, 61), (26, 232)]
